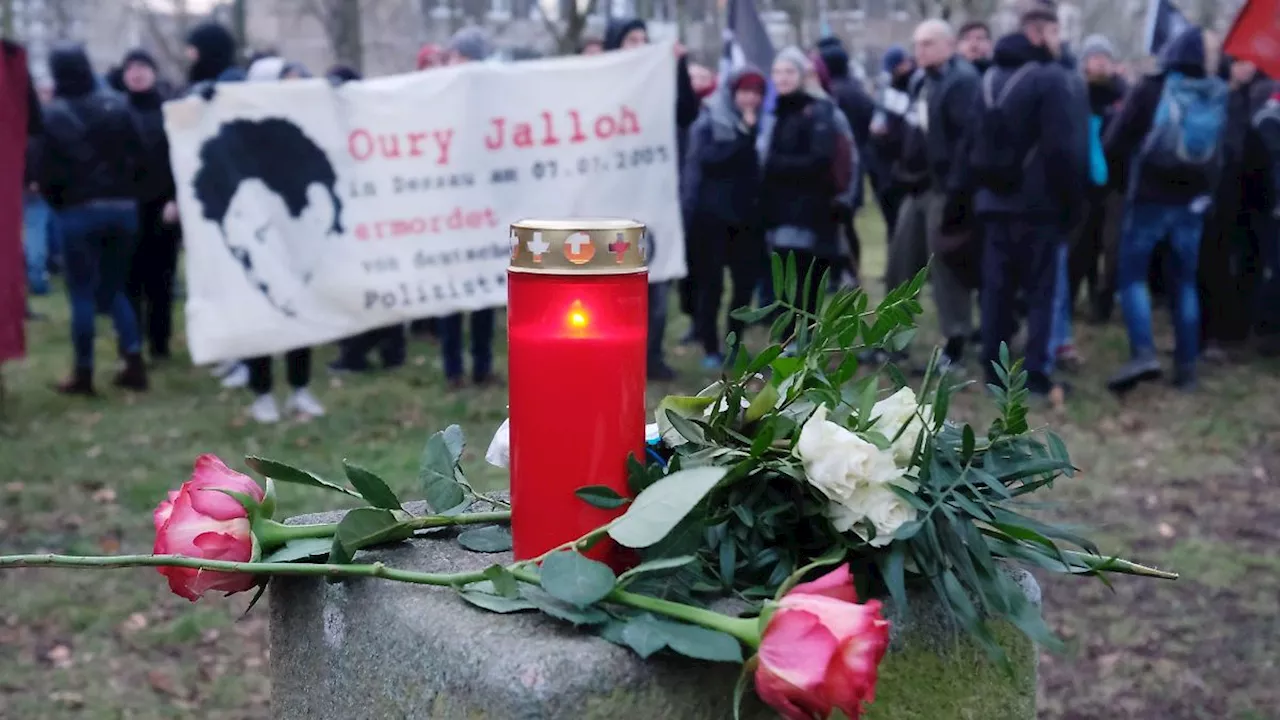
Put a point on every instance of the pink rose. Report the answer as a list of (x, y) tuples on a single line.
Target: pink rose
[(199, 521), (821, 650)]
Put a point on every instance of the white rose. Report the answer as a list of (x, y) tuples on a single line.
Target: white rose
[(499, 452), (837, 462), (893, 413), (881, 507)]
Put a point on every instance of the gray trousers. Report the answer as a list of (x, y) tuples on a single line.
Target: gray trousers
[(915, 240)]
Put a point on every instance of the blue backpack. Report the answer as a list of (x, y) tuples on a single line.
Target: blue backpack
[(1186, 133)]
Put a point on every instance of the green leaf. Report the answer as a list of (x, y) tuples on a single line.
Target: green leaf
[(653, 566), (301, 549), (827, 559), (700, 643), (490, 539), (762, 360), (287, 473), (645, 635), (371, 487), (478, 594), (262, 589), (575, 579), (968, 443), (562, 610), (901, 339), (438, 474), (762, 403), (601, 496), (454, 441), (252, 507), (740, 688), (267, 509), (684, 406), (504, 583), (364, 527), (789, 285), (685, 428), (663, 505), (750, 316)]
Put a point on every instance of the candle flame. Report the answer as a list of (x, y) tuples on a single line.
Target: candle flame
[(578, 318)]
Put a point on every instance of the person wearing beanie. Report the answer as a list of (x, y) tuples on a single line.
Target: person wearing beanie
[(798, 145), (858, 108), (430, 56), (1166, 202), (628, 34), (155, 262), (211, 50), (942, 98), (887, 129), (88, 171), (720, 192), (470, 44)]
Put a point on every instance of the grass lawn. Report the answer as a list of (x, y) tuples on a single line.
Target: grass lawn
[(1185, 482)]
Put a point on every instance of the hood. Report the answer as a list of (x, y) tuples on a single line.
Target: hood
[(343, 73), (835, 58), (1185, 53), (1014, 51), (217, 49), (138, 55), (618, 29), (71, 71), (265, 69), (1068, 59)]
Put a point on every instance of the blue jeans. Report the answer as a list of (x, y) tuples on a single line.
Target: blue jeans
[(1060, 334), (36, 221), (482, 322), (1146, 226), (1020, 258), (100, 238), (659, 307)]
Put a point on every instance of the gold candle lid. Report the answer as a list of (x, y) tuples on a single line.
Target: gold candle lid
[(578, 246)]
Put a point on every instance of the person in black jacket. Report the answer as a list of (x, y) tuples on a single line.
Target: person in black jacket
[(626, 34), (888, 129), (943, 97), (1093, 251), (1162, 204), (974, 45), (858, 109), (721, 184), (1266, 125), (1229, 258), (1024, 229), (155, 262), (211, 50), (798, 146), (89, 174)]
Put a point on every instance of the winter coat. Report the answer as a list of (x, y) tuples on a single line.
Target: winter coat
[(91, 148), (1245, 182), (950, 92), (1047, 119), (721, 180), (1185, 55), (797, 144), (156, 180), (853, 100)]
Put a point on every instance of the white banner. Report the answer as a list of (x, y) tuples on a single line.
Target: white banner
[(311, 213)]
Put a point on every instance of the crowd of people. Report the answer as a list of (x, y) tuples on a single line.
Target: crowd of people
[(1020, 172)]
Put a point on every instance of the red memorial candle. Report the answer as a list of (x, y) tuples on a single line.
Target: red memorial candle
[(577, 324)]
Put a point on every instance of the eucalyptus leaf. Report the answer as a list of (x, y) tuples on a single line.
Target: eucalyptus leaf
[(438, 474), (575, 579), (645, 635), (601, 496), (454, 441), (663, 505), (562, 610), (371, 487), (655, 566), (287, 473), (495, 603), (700, 643), (504, 583), (488, 539)]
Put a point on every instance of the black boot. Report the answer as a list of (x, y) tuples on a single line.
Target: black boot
[(80, 383), (1135, 371), (134, 375), (1184, 378)]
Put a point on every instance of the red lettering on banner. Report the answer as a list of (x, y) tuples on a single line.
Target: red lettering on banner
[(495, 141), (549, 133), (578, 135), (523, 137), (606, 126), (415, 149), (628, 122), (364, 145), (360, 145), (444, 140)]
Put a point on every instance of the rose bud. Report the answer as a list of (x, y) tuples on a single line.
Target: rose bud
[(201, 521), (821, 650)]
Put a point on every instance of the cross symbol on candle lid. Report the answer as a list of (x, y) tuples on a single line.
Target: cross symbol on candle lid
[(538, 246), (578, 248), (619, 247), (514, 240)]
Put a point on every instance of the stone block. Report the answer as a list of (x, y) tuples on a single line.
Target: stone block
[(373, 649)]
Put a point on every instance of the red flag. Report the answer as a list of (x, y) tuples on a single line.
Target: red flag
[(1255, 35), (14, 91)]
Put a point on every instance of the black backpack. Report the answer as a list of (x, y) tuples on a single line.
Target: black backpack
[(993, 159)]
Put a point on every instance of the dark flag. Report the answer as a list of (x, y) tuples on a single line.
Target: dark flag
[(745, 40), (1255, 35), (15, 113), (1164, 23)]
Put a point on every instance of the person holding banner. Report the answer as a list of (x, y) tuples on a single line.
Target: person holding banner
[(628, 34), (89, 170)]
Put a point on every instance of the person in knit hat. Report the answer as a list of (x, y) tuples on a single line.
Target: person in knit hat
[(887, 128), (470, 44), (720, 192)]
